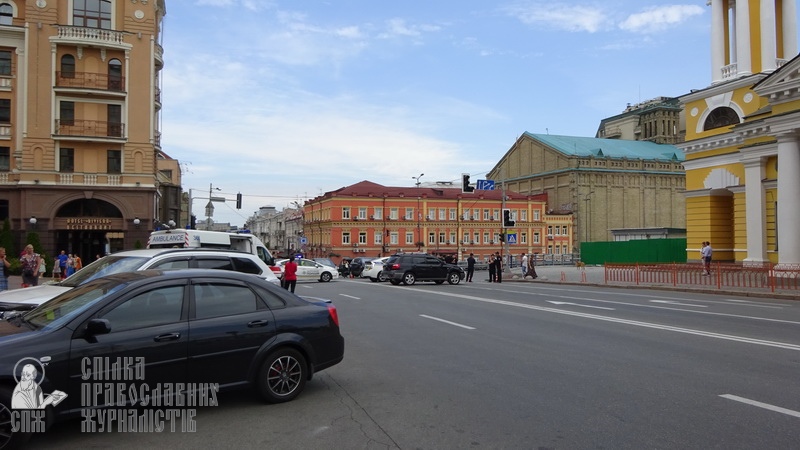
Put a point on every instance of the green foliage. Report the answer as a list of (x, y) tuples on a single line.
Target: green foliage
[(137, 245), (7, 239)]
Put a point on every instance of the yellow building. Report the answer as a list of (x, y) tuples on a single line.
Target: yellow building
[(79, 128), (739, 131)]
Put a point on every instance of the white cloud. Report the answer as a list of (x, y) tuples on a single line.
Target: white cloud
[(660, 18), (560, 16)]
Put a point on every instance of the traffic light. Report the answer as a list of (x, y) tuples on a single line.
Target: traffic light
[(507, 222), (239, 200), (465, 186), (502, 237), (193, 222)]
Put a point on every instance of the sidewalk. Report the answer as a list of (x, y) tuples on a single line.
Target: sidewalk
[(595, 275)]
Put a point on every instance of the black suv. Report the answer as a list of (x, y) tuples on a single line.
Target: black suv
[(357, 266), (412, 267)]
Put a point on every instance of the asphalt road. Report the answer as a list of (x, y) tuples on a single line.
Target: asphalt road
[(522, 365)]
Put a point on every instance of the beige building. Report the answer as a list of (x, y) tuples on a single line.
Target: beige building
[(659, 120), (608, 184), (80, 159)]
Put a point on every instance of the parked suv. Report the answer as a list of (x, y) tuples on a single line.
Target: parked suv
[(19, 300), (357, 266), (412, 267)]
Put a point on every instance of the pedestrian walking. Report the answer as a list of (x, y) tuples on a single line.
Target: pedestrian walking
[(290, 275), (531, 268), (56, 269), (523, 267), (470, 267), (706, 253), (492, 273), (4, 270), (62, 263), (30, 267)]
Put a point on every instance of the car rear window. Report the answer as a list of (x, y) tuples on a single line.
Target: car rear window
[(245, 265), (214, 263)]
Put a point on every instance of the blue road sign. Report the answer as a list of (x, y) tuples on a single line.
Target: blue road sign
[(303, 240), (511, 238), (485, 185)]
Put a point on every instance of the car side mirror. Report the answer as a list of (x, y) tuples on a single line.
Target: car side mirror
[(98, 326)]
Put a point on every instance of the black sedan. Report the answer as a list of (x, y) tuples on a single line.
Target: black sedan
[(141, 339)]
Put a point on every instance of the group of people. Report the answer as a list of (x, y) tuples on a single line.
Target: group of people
[(496, 267), (34, 266)]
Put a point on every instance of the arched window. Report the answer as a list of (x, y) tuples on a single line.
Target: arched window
[(6, 14), (721, 117), (114, 75), (67, 66)]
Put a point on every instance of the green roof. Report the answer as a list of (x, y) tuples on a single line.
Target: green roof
[(609, 148)]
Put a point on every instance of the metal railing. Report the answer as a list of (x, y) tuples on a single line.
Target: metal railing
[(90, 80), (765, 276)]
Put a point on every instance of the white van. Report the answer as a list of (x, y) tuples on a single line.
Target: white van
[(181, 237)]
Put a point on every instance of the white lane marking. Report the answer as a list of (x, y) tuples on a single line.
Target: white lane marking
[(350, 296), (447, 322), (670, 302), (576, 304), (754, 304), (709, 334), (735, 398), (738, 316)]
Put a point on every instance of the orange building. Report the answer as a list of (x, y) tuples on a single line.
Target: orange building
[(371, 220)]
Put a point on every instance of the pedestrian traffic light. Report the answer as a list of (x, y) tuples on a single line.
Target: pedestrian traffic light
[(465, 186), (507, 222), (239, 200)]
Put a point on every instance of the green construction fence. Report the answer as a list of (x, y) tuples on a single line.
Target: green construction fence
[(635, 251)]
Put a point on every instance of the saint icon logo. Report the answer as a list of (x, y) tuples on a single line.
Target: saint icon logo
[(28, 394)]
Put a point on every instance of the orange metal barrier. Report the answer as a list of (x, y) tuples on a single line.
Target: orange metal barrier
[(730, 275)]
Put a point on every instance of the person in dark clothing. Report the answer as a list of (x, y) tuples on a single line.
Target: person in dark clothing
[(498, 267), (491, 269), (470, 267)]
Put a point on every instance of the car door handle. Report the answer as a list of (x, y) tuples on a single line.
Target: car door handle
[(167, 337), (257, 323)]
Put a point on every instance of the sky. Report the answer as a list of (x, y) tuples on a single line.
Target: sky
[(283, 100)]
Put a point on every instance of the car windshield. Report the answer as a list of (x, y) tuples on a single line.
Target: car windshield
[(104, 266), (63, 308)]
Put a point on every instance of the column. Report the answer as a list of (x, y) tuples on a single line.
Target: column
[(789, 21), (743, 58), (718, 33), (755, 210), (788, 193), (769, 47)]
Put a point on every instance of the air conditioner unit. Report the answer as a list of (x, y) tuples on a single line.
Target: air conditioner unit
[(372, 217), (388, 217), (492, 218)]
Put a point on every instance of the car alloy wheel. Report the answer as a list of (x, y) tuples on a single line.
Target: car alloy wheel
[(381, 277), (409, 278), (325, 277), (453, 278), (282, 376)]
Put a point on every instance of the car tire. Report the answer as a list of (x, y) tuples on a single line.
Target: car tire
[(381, 277), (453, 278), (282, 376), (409, 278), (394, 282), (9, 439), (325, 277)]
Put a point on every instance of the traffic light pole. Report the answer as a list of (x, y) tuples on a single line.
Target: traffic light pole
[(504, 249)]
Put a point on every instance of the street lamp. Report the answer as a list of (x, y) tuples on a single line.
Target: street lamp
[(419, 213), (33, 222), (136, 222)]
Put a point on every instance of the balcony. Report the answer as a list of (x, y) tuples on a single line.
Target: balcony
[(89, 80), (91, 179), (82, 129), (68, 34)]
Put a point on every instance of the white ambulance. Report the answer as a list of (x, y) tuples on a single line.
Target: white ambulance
[(180, 237)]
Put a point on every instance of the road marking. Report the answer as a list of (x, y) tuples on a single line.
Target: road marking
[(446, 321), (735, 398), (670, 302), (350, 296), (709, 334), (576, 304)]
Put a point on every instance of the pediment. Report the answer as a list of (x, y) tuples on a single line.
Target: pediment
[(781, 85)]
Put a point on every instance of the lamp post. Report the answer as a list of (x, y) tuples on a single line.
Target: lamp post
[(33, 222), (210, 206), (419, 213)]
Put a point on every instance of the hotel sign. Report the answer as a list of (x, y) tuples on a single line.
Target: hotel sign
[(90, 223)]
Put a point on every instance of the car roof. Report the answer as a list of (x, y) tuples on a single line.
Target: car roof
[(152, 252), (169, 274)]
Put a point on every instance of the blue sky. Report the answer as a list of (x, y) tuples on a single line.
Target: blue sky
[(284, 100)]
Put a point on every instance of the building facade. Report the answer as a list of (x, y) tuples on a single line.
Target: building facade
[(658, 120), (368, 219), (281, 231), (80, 159), (607, 184), (742, 137)]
